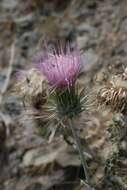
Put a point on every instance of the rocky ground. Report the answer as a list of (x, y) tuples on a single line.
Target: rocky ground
[(30, 159)]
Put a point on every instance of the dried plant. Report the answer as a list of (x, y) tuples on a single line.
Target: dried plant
[(32, 87), (114, 94)]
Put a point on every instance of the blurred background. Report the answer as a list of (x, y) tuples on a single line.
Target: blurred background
[(31, 158)]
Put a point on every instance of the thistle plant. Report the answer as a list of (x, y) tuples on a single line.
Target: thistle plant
[(61, 70), (66, 101)]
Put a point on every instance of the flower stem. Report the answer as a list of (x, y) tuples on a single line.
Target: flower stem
[(83, 160)]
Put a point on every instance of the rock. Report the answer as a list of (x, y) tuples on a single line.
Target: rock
[(34, 186), (82, 41), (60, 153), (90, 59), (43, 155), (120, 49), (28, 39), (86, 28), (24, 23), (124, 25), (2, 78), (92, 4), (9, 4), (24, 19), (66, 29), (68, 158)]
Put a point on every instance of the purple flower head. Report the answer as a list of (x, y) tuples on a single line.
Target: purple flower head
[(60, 69)]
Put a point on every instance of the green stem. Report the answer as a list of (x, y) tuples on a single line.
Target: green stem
[(79, 147)]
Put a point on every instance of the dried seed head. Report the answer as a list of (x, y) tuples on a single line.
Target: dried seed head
[(114, 94), (31, 86)]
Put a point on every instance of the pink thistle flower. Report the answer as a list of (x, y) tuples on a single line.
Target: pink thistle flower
[(60, 69)]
